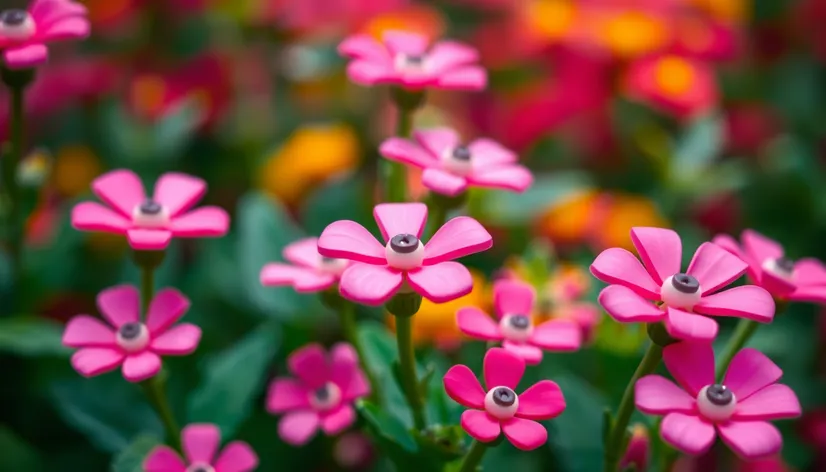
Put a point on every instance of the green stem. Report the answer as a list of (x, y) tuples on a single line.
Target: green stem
[(396, 175), (147, 288), (742, 333), (407, 364), (348, 325), (473, 456), (615, 445), (153, 388)]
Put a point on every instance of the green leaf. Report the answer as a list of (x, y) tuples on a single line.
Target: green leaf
[(18, 455), (173, 131), (341, 199), (577, 432), (232, 380), (30, 336), (701, 143), (507, 208), (386, 427), (380, 354), (131, 459)]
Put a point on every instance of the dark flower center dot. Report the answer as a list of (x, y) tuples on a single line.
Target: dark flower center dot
[(150, 207), (200, 468), (322, 394), (461, 153), (404, 243), (13, 17), (719, 394), (520, 321), (784, 264), (327, 260), (130, 330), (414, 60), (503, 396), (685, 283)]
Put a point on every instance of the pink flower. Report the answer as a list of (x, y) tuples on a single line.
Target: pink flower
[(684, 296), (150, 223), (134, 344), (804, 280), (23, 34), (309, 272), (514, 303), (320, 396), (450, 166), (404, 263), (500, 409), (406, 59), (200, 444), (638, 451), (738, 408)]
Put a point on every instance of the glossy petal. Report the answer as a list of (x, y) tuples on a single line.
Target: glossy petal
[(368, 72), (747, 301), (508, 177), (750, 370), (773, 402), (691, 365), (502, 368), (25, 57), (148, 239), (92, 216), (444, 182), (809, 271), (476, 323), (513, 297), (178, 341), (168, 306), (487, 153), (370, 285), (660, 250), (304, 280), (775, 283), (557, 335), (141, 366), (462, 386), (459, 237), (809, 294), (446, 55), (760, 247), (92, 361), (542, 401), (237, 456), (48, 12), (532, 355), (400, 218), (464, 78), (437, 141), (303, 253), (200, 442), (349, 240), (655, 395), (178, 192), (67, 28), (286, 394), (407, 152), (731, 245), (119, 305), (363, 46), (403, 42), (751, 439), (627, 306), (442, 282), (83, 330), (298, 428), (338, 420), (480, 425), (163, 459), (204, 222), (120, 189), (690, 327), (715, 267), (618, 266), (309, 364), (687, 433), (524, 434)]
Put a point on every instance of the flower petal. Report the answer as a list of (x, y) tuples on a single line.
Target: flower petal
[(200, 442), (809, 294), (746, 301), (660, 250), (178, 341), (148, 239), (370, 72), (400, 218), (691, 365), (487, 152), (309, 364), (524, 434), (437, 141), (506, 177), (731, 245), (687, 433), (92, 361), (541, 401), (92, 216), (83, 331), (303, 253), (532, 355), (477, 324), (141, 366), (618, 266), (163, 459), (347, 239), (759, 247), (445, 55), (463, 387), (771, 403), (178, 192), (407, 152), (403, 42), (443, 182), (750, 370), (286, 394), (363, 46), (809, 271), (464, 78), (370, 285), (303, 279), (751, 439), (168, 306), (459, 237), (298, 427), (119, 305), (656, 395), (237, 456), (714, 267), (346, 372), (688, 326), (337, 421), (26, 57), (513, 297), (557, 335), (775, 283), (120, 189), (66, 28), (204, 222), (502, 369), (627, 306), (480, 425), (442, 282)]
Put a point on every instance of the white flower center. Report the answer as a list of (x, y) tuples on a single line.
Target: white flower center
[(458, 160), (681, 291), (716, 402), (325, 398), (332, 266), (781, 267), (16, 24), (404, 252), (501, 402), (132, 337), (516, 327), (200, 467), (150, 214)]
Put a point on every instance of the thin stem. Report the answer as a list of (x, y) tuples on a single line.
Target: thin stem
[(616, 439), (396, 183), (742, 333), (473, 456), (407, 364), (147, 287), (348, 326), (153, 388), (436, 215), (15, 222)]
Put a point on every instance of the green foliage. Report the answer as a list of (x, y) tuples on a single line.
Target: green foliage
[(131, 459), (17, 454), (30, 336), (576, 434)]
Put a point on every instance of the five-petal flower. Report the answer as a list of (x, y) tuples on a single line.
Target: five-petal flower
[(201, 443), (24, 33)]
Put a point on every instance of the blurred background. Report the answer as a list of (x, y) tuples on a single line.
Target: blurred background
[(705, 116)]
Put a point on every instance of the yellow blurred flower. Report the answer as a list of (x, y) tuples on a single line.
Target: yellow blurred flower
[(75, 166), (550, 20), (420, 19), (631, 33), (309, 157)]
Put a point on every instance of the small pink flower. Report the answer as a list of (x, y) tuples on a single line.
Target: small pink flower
[(638, 451), (404, 262), (450, 167), (320, 396), (514, 303), (150, 223), (408, 60), (738, 408), (500, 409), (803, 280), (684, 296), (309, 272), (134, 344), (201, 444), (24, 34)]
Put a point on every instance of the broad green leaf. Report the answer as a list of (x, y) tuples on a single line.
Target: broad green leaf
[(701, 143), (340, 199), (18, 455), (131, 459), (507, 208), (576, 434), (387, 427), (31, 336), (381, 353), (232, 380), (172, 132)]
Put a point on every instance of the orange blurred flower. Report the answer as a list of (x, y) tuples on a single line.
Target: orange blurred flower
[(674, 84), (420, 19), (75, 166)]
